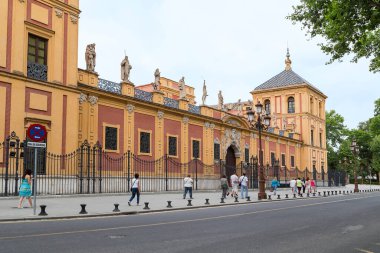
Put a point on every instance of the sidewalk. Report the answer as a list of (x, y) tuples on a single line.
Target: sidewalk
[(101, 204)]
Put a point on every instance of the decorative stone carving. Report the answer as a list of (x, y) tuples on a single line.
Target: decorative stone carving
[(267, 138), (185, 120), (207, 124), (212, 126), (204, 95), (130, 108), (92, 100), (182, 88), (22, 1), (74, 19), (160, 114), (90, 57), (220, 100), (232, 137), (284, 123), (82, 98), (216, 140), (233, 122), (125, 69), (157, 83), (59, 13), (274, 121)]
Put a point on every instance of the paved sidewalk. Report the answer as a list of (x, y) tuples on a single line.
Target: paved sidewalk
[(103, 204)]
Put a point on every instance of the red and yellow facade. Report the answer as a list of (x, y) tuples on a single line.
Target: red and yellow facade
[(74, 108)]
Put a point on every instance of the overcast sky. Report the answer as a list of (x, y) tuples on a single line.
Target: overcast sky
[(233, 45)]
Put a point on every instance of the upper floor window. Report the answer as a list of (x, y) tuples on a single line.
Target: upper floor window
[(311, 105), (312, 137), (246, 155), (291, 105), (320, 110), (216, 151), (283, 162), (145, 142), (37, 57), (267, 106), (320, 139)]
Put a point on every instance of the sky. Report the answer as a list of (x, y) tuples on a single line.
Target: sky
[(233, 45)]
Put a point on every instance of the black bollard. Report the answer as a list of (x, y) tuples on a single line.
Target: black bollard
[(207, 203), (319, 194), (307, 195), (301, 195), (313, 194), (324, 194), (222, 200), (328, 193), (269, 197), (294, 196), (146, 207), (286, 196), (83, 210), (350, 191), (43, 211), (336, 192), (278, 196), (169, 204), (189, 202), (116, 208), (236, 199), (248, 198), (340, 192)]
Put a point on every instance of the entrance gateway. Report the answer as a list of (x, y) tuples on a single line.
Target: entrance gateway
[(230, 162)]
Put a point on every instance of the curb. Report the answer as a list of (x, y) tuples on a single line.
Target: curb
[(164, 210)]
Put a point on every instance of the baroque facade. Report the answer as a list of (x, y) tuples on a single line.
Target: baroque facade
[(41, 83)]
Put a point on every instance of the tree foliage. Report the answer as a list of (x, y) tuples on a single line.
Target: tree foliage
[(349, 27), (335, 128)]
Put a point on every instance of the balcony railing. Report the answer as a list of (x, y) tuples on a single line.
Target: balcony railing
[(194, 109), (37, 71), (109, 86), (171, 102), (143, 95)]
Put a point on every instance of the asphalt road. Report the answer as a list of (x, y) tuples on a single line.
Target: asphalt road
[(335, 224)]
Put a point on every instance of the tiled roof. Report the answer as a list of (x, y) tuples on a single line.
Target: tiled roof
[(284, 79)]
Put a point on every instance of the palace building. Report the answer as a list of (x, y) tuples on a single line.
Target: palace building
[(40, 82)]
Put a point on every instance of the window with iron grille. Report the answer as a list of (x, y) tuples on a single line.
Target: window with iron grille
[(246, 155), (320, 139), (110, 141), (216, 151), (283, 162), (312, 137), (292, 161), (272, 158), (267, 106), (144, 142), (291, 105), (196, 146), (172, 146)]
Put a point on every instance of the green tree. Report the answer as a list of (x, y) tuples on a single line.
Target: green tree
[(349, 27), (374, 125), (377, 107), (375, 148), (335, 128)]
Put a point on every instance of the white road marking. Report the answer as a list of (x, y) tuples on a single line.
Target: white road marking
[(365, 251)]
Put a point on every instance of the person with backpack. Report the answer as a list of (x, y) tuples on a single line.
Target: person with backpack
[(243, 182), (224, 186)]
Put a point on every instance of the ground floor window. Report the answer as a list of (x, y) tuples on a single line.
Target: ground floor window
[(145, 142)]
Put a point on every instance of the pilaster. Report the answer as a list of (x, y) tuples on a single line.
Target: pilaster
[(185, 142), (159, 137), (127, 89), (129, 118), (158, 97)]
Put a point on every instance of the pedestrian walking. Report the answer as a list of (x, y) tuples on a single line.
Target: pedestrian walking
[(135, 189), (25, 190), (274, 185), (303, 185), (313, 186), (307, 185), (234, 184), (299, 184), (243, 182), (224, 186), (188, 184), (293, 186)]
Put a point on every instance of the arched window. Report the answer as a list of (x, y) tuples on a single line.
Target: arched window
[(267, 106), (291, 105)]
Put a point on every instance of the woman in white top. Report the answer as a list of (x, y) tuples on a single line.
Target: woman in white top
[(135, 189)]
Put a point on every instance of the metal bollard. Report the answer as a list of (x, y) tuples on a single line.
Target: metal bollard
[(83, 211), (319, 194), (294, 196), (43, 212), (207, 203), (350, 191), (269, 197), (307, 195), (169, 204), (248, 198), (222, 200), (189, 202), (301, 195), (236, 199), (340, 192), (286, 196), (313, 194), (324, 194), (146, 207), (328, 193), (278, 196), (116, 209), (336, 192)]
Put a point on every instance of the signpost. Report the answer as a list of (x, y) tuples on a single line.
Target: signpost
[(37, 133)]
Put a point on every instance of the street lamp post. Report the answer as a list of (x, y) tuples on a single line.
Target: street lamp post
[(261, 123), (355, 151)]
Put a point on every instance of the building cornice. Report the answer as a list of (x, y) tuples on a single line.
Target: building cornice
[(289, 88)]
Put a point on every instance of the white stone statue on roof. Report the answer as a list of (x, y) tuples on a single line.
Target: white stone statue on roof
[(220, 100), (90, 57), (157, 83), (239, 107), (125, 69), (204, 95), (182, 88)]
